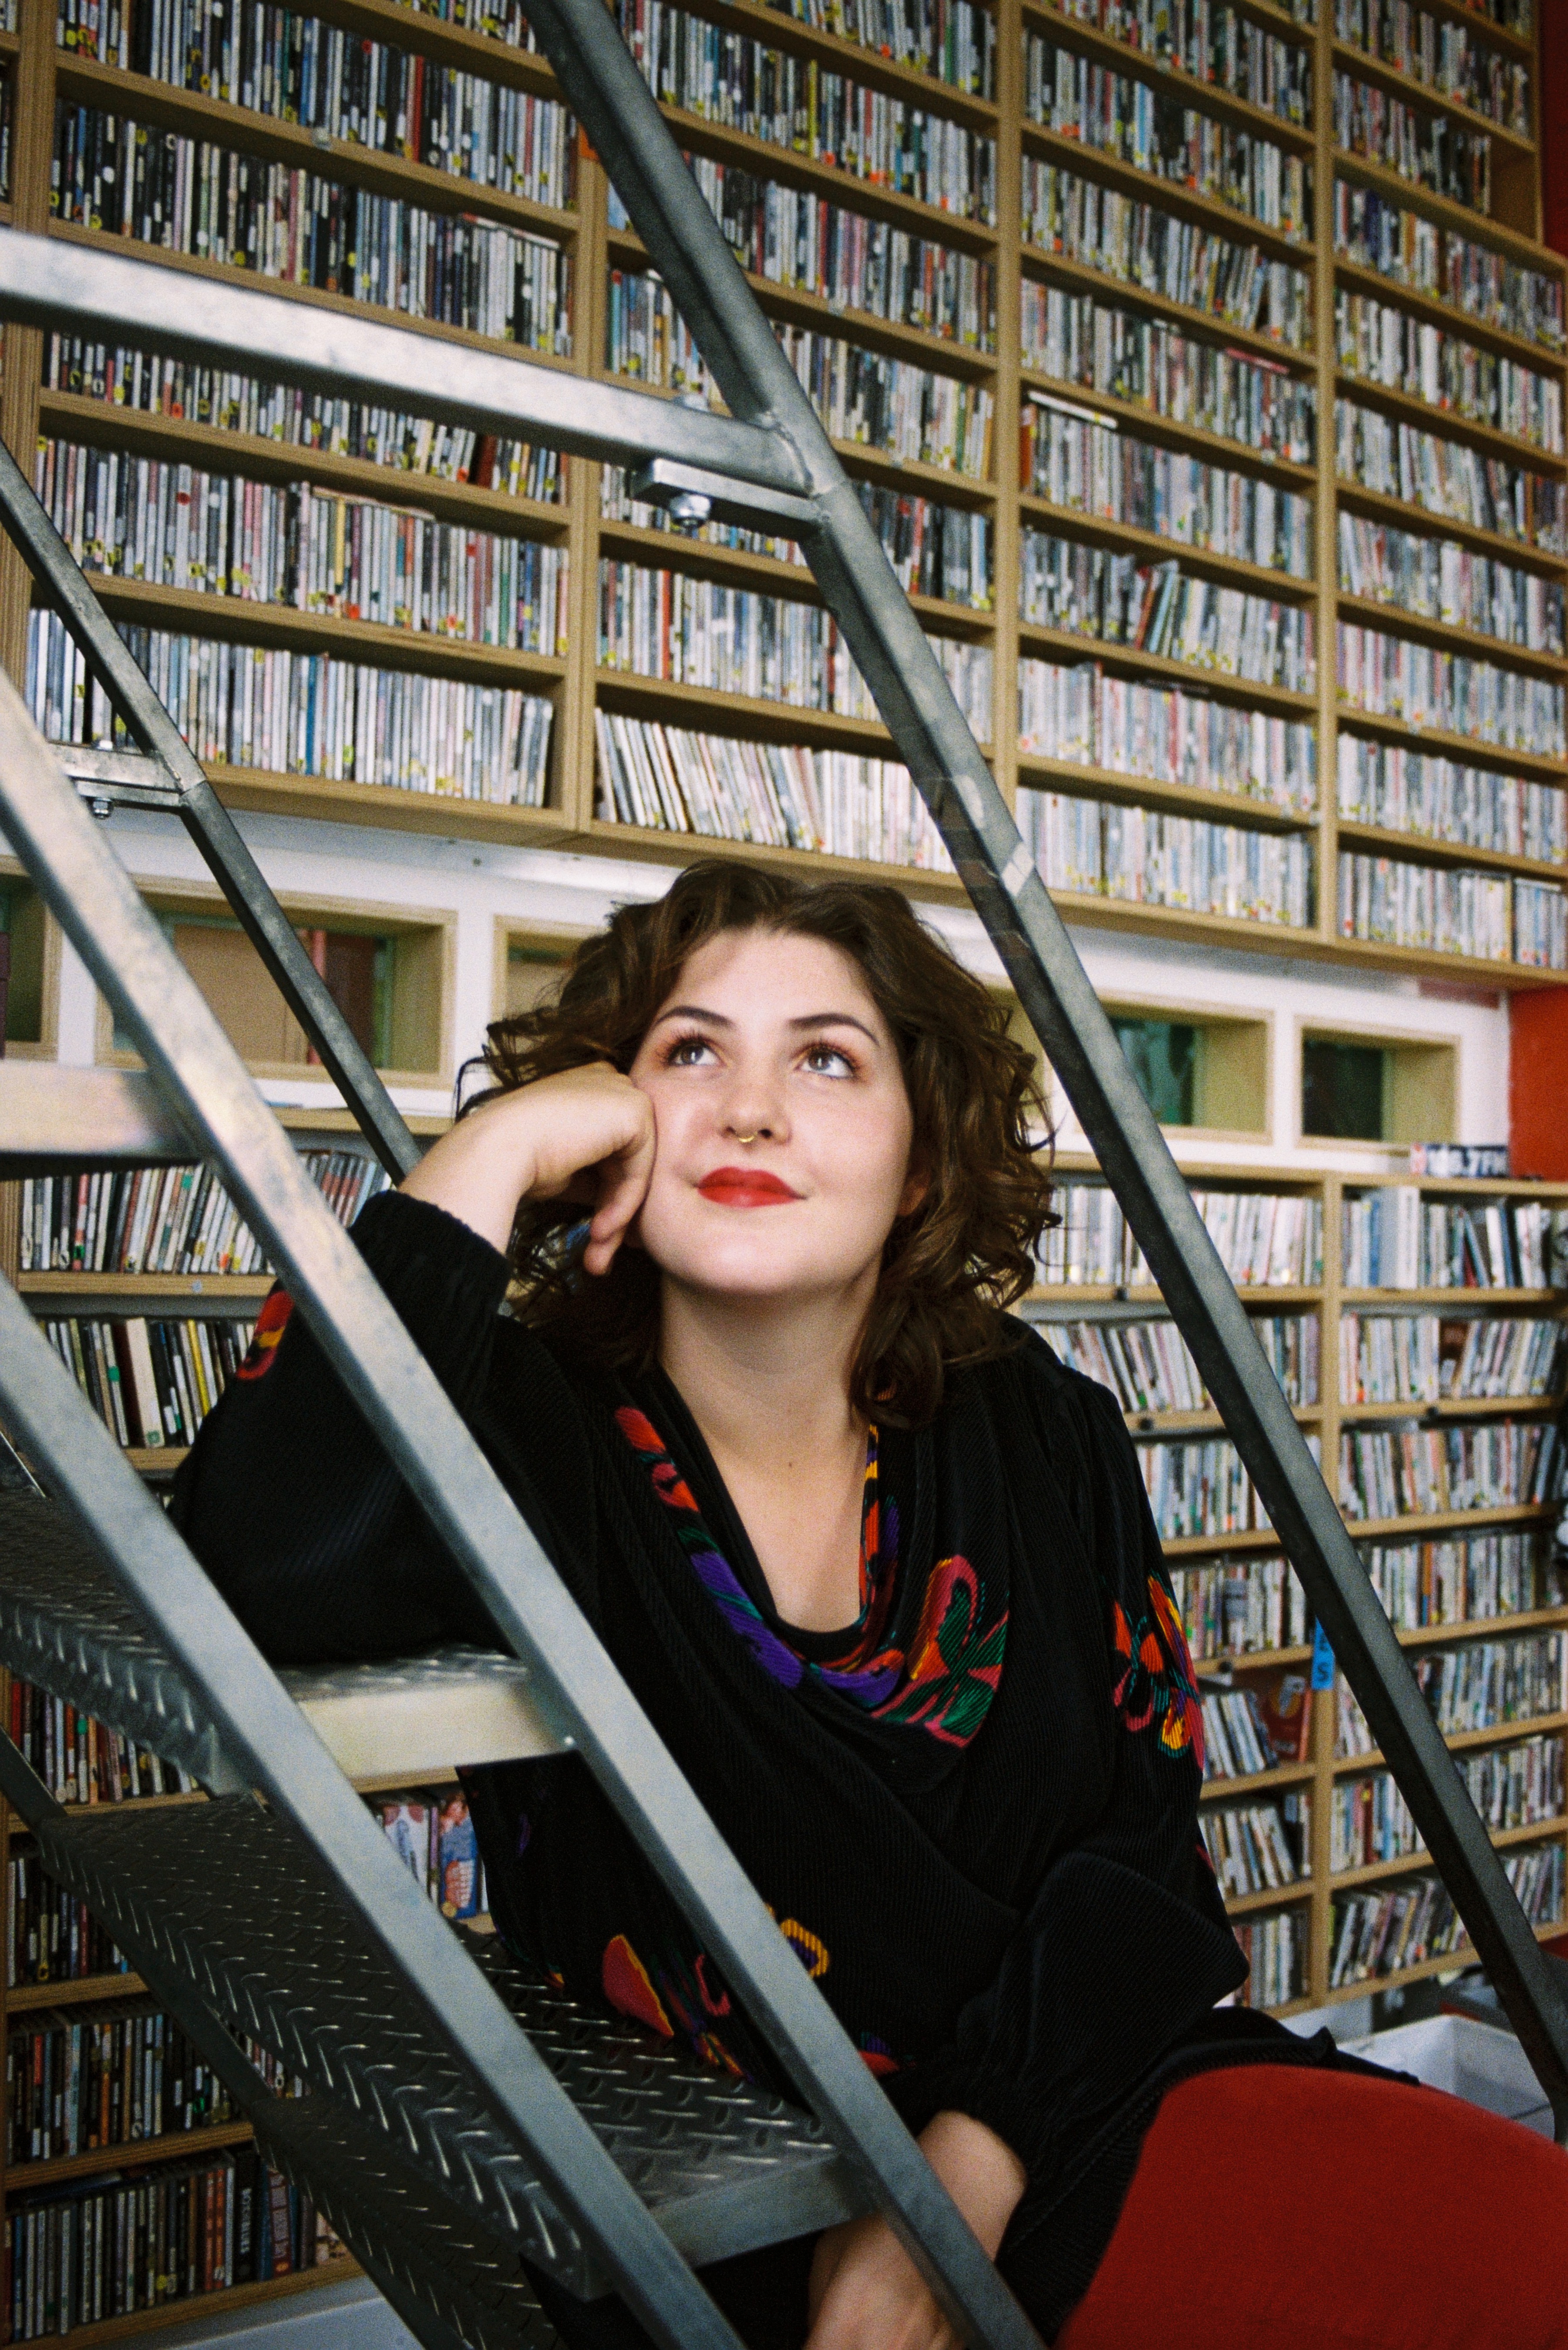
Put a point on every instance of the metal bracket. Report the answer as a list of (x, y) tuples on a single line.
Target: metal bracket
[(720, 497), (110, 779)]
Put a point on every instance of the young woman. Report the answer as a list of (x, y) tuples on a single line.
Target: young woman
[(760, 1186)]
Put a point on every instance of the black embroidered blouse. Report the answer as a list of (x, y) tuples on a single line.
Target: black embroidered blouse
[(979, 1829)]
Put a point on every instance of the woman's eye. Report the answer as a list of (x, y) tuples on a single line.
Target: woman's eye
[(827, 1061), (689, 1053)]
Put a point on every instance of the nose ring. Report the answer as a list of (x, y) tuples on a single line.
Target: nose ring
[(747, 1137)]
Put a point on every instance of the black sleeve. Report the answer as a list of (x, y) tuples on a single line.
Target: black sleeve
[(289, 1499), (1125, 1945)]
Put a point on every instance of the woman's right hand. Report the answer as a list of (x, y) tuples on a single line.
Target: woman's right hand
[(586, 1135)]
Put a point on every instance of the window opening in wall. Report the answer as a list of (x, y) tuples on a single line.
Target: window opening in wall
[(1163, 1057), (21, 962), (533, 974), (359, 969), (1343, 1091)]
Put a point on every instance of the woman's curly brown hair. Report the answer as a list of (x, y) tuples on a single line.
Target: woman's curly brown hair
[(951, 1267)]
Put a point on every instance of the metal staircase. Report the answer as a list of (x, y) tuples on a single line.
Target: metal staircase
[(463, 2116)]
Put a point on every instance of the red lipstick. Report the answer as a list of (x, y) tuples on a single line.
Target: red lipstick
[(746, 1187)]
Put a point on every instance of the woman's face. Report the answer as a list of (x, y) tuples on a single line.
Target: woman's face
[(783, 1127)]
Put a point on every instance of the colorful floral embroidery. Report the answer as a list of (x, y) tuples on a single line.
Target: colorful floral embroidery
[(941, 1682), (270, 1324), (1155, 1681)]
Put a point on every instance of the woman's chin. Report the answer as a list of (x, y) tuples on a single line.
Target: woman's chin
[(748, 1270)]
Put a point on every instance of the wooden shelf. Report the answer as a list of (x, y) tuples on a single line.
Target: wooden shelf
[(1546, 1300), (448, 44), (198, 2305), (1172, 195), (1417, 848), (1432, 963), (1037, 774), (387, 806), (767, 162), (1416, 1523), (1252, 1661), (666, 550), (1422, 98), (236, 616), (139, 98), (776, 30), (224, 273), (74, 416), (1204, 1422), (1103, 1293), (1169, 80), (1490, 36), (1413, 410), (1410, 194), (944, 354), (23, 1998), (1469, 748), (132, 2155), (1197, 438), (130, 1806), (1401, 621), (1041, 260), (1255, 1782), (1213, 684), (73, 1289), (1430, 1413), (1422, 522), (1459, 1742), (1451, 317), (1451, 1962), (1206, 1545), (779, 722), (1232, 569), (1269, 1896), (1479, 1627), (1346, 1880), (679, 847)]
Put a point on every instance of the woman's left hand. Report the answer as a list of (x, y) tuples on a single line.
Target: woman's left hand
[(866, 2292)]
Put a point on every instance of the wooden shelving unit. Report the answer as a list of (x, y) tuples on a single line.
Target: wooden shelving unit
[(1326, 1301), (575, 681)]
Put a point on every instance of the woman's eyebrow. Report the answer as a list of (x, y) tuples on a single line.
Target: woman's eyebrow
[(835, 1020), (693, 1012)]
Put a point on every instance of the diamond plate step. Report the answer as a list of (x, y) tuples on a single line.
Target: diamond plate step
[(226, 1894)]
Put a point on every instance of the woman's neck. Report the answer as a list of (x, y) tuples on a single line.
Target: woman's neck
[(769, 1388)]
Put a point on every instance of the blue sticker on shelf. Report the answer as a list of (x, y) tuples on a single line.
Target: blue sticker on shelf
[(1321, 1659)]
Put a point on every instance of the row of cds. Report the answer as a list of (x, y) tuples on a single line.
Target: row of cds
[(1379, 1932), (298, 69), (1421, 1358), (1441, 580), (1387, 347), (1069, 93), (1503, 1464), (1137, 857), (1486, 917), (1462, 1579), (1087, 716), (1516, 1786), (777, 795), (152, 383), (1475, 1687), (1393, 677), (1097, 345), (1452, 59), (1143, 245), (1213, 43), (190, 195), (1424, 792), (803, 107), (1085, 462), (305, 715), (1430, 149), (175, 525), (1159, 608), (1416, 252), (1448, 478)]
